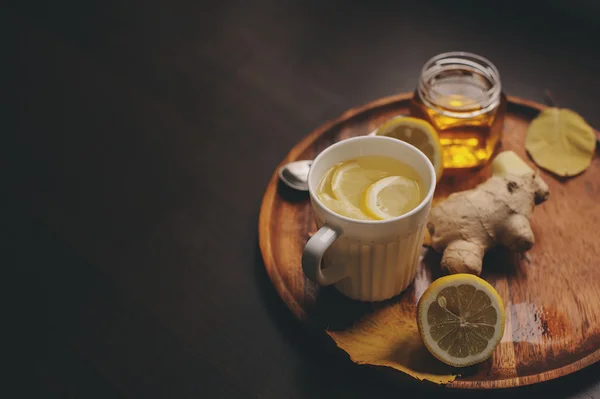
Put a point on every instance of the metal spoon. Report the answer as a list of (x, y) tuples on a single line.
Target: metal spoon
[(295, 174)]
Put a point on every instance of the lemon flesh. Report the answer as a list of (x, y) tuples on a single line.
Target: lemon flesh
[(349, 182), (420, 134), (390, 197), (461, 319), (343, 208)]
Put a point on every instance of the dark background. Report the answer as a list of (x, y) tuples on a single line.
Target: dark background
[(139, 138)]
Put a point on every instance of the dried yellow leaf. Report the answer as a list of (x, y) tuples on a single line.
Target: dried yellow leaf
[(560, 141), (390, 337)]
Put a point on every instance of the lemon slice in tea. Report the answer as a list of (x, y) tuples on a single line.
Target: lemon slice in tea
[(349, 182), (390, 197), (343, 208), (461, 319)]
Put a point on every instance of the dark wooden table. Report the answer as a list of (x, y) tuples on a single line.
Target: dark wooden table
[(140, 137)]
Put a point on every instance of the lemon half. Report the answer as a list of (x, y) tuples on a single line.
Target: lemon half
[(461, 319), (420, 134)]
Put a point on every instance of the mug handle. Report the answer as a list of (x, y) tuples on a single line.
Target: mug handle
[(313, 253)]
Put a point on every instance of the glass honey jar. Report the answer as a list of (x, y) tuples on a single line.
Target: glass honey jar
[(460, 94)]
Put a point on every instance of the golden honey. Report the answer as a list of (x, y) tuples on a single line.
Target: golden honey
[(460, 95)]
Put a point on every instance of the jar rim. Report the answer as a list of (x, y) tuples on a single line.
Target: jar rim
[(468, 59)]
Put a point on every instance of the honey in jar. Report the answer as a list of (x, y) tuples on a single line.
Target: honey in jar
[(460, 94)]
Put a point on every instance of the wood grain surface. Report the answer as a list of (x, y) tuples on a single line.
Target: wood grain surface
[(551, 299)]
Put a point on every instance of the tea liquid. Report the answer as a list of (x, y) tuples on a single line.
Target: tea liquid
[(342, 188)]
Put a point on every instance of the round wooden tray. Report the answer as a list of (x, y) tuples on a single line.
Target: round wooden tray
[(552, 299)]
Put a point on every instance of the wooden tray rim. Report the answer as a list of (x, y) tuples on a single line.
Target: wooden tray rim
[(296, 309)]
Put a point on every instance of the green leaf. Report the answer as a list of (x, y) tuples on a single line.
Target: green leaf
[(560, 141)]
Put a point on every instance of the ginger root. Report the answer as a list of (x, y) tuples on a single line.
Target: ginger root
[(496, 212)]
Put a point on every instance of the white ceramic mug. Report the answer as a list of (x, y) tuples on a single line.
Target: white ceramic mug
[(367, 260)]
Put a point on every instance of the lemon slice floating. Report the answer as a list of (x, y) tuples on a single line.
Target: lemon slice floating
[(349, 181), (420, 134), (343, 208), (390, 197), (461, 319)]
